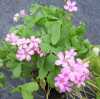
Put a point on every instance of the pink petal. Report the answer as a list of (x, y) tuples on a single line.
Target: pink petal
[(60, 55), (28, 57), (58, 62), (73, 3), (65, 7), (31, 52), (75, 9)]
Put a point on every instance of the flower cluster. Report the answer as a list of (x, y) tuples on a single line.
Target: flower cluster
[(12, 38), (26, 46), (17, 16), (74, 71), (70, 6)]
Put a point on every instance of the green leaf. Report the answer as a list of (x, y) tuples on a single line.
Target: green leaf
[(1, 63), (51, 76), (5, 49), (46, 38), (95, 64), (40, 62), (45, 47), (11, 56), (28, 88), (17, 71), (13, 30), (42, 68), (34, 8), (75, 42), (81, 29), (98, 82), (2, 80), (54, 30), (98, 97), (27, 95), (42, 73), (50, 79), (28, 19), (50, 62)]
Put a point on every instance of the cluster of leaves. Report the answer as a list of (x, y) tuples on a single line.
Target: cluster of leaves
[(95, 68), (54, 26)]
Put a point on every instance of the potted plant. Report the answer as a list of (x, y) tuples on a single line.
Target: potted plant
[(50, 51)]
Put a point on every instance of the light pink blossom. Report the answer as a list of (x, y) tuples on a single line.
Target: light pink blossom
[(12, 38), (74, 71), (24, 54), (27, 47), (17, 16), (65, 57), (30, 46), (22, 13), (63, 83), (70, 6)]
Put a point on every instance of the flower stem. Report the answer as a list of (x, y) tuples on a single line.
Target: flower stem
[(47, 94)]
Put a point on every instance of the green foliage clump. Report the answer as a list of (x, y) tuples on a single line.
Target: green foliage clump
[(55, 28)]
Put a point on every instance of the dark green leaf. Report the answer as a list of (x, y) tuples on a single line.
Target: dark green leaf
[(42, 73), (51, 76), (50, 62)]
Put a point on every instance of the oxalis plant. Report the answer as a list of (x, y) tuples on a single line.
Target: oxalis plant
[(50, 51)]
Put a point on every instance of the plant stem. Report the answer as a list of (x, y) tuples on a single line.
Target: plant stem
[(47, 94)]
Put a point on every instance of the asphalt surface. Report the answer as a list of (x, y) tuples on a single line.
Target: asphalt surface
[(89, 12)]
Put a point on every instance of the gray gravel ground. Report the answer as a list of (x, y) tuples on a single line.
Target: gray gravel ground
[(89, 12)]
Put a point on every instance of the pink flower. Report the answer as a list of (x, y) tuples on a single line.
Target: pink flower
[(21, 41), (12, 38), (70, 54), (24, 54), (70, 6), (74, 71), (21, 54), (63, 83), (30, 46), (65, 57), (18, 15), (61, 58), (27, 47), (22, 13)]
